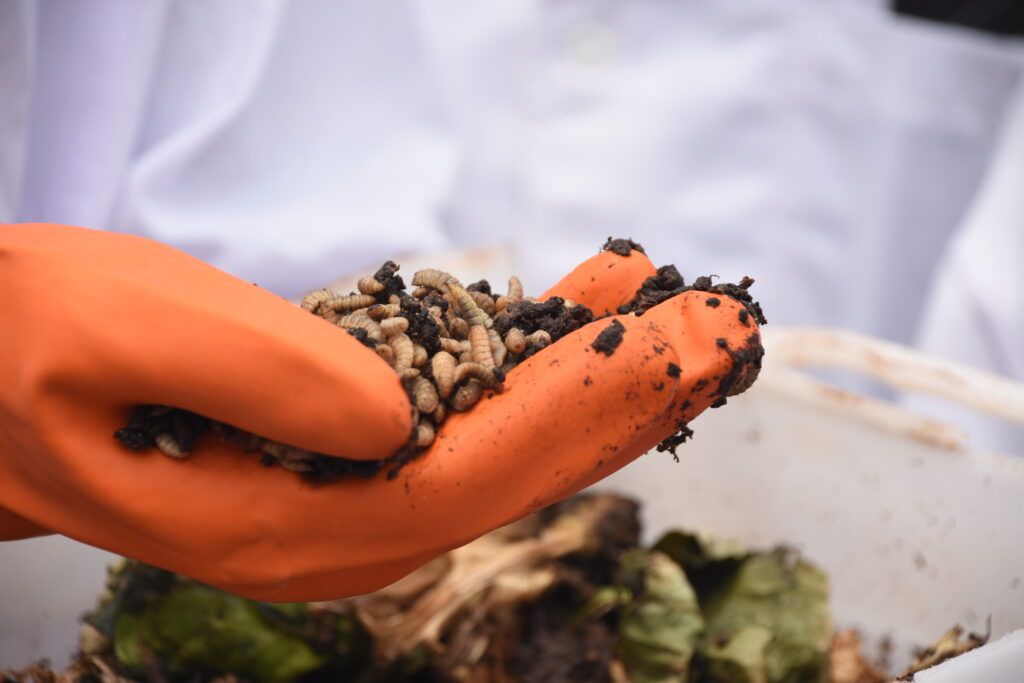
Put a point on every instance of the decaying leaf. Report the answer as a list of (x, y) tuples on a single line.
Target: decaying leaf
[(946, 647)]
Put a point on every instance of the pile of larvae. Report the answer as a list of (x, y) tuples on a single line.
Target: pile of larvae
[(449, 344)]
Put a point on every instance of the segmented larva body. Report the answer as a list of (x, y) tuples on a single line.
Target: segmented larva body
[(471, 312), (370, 285), (451, 345), (402, 346), (501, 303), (435, 279), (424, 395), (360, 320), (440, 414), (381, 311), (424, 434), (385, 352), (466, 396), (168, 445), (348, 302), (538, 339), (478, 372), (485, 302), (394, 326), (312, 301), (442, 367), (498, 350), (515, 290), (419, 356), (515, 341), (480, 346), (438, 317), (458, 327)]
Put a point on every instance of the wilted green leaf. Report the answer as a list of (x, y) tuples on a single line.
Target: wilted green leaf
[(198, 627), (788, 599), (738, 659), (659, 628)]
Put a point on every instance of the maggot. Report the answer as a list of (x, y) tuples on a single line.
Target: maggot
[(168, 445), (466, 396), (419, 356), (539, 339), (434, 278), (451, 345), (498, 350), (385, 352), (359, 319), (515, 341), (392, 326), (478, 372), (442, 367), (402, 346), (370, 285), (381, 311), (480, 346), (424, 434), (515, 290), (312, 301), (424, 394), (458, 327), (485, 302), (348, 302), (471, 312)]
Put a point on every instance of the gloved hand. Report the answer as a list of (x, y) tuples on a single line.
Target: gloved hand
[(97, 322)]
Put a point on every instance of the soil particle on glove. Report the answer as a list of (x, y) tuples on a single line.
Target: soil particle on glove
[(609, 338), (667, 283), (675, 440), (622, 247), (673, 370), (551, 316), (713, 302)]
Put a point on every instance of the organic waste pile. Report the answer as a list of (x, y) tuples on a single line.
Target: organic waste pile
[(566, 595), (449, 344)]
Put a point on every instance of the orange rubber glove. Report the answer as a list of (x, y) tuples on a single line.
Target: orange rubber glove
[(97, 322)]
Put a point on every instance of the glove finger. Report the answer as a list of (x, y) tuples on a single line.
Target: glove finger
[(604, 282), (14, 527), (152, 325)]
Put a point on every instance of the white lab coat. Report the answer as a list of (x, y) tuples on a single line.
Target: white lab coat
[(829, 149)]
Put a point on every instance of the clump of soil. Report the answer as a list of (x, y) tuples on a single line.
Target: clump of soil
[(609, 338), (450, 345)]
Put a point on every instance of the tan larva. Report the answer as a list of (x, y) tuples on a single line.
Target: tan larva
[(515, 290), (385, 352), (501, 303), (478, 372), (480, 346), (471, 312), (442, 367), (370, 285), (348, 302), (538, 340), (515, 341), (392, 326), (408, 373), (440, 414), (424, 434), (485, 303), (382, 311), (498, 350), (168, 445), (421, 292), (451, 345), (458, 328), (402, 346), (466, 396), (435, 279), (424, 395), (360, 320), (312, 301), (568, 303), (419, 356)]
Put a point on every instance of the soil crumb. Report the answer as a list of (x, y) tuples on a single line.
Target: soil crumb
[(609, 338), (622, 247)]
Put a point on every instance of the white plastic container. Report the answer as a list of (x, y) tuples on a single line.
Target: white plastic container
[(916, 532)]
